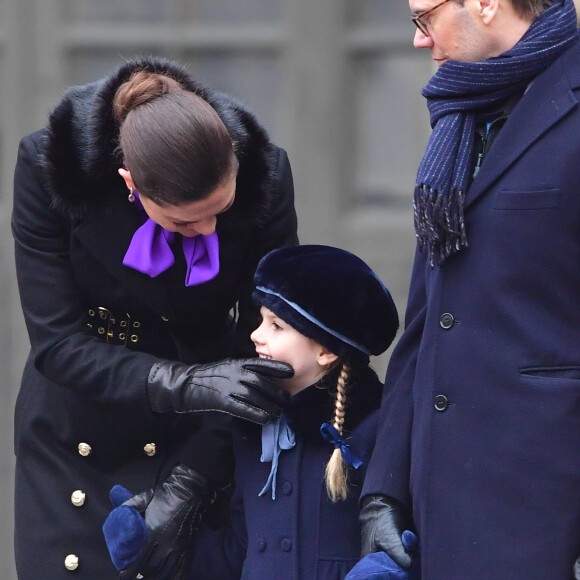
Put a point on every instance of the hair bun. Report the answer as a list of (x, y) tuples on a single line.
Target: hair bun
[(142, 87)]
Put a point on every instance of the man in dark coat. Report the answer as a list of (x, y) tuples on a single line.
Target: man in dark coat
[(479, 439), (84, 419)]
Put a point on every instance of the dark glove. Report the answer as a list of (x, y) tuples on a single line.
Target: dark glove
[(172, 514), (239, 387), (383, 521)]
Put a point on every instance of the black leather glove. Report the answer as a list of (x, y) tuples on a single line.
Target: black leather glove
[(172, 514), (383, 521), (239, 387)]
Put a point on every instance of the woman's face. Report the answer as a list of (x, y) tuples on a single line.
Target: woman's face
[(193, 218), (276, 339)]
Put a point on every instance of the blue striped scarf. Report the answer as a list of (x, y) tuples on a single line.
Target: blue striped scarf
[(455, 93)]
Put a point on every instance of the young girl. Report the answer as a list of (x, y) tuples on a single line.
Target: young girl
[(295, 505)]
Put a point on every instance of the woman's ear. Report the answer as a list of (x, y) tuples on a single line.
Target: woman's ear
[(126, 175), (326, 358)]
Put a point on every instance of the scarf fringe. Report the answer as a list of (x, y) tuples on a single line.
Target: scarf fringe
[(439, 222)]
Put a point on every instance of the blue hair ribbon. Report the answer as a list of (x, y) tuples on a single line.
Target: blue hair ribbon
[(330, 434)]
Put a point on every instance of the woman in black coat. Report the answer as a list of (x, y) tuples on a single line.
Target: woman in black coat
[(122, 329)]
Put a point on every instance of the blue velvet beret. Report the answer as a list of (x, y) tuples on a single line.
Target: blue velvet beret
[(329, 295)]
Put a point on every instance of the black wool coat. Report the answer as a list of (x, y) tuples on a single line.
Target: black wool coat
[(96, 327)]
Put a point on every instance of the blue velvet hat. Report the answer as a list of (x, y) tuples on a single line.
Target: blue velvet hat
[(329, 295)]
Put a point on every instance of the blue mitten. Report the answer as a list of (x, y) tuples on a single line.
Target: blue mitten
[(380, 566), (124, 529)]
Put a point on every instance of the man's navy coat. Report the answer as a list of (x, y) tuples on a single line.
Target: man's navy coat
[(480, 432)]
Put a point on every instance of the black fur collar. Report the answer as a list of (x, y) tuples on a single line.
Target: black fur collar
[(79, 158)]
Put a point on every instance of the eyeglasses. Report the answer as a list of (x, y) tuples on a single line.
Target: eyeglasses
[(416, 20)]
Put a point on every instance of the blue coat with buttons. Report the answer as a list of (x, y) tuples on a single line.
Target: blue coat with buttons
[(301, 535), (480, 433)]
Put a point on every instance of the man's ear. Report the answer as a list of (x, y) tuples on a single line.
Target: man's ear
[(487, 9), (326, 358), (126, 175)]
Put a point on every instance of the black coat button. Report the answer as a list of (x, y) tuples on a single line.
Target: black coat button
[(446, 321), (286, 544), (441, 403)]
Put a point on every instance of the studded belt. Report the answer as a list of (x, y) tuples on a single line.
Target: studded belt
[(115, 329)]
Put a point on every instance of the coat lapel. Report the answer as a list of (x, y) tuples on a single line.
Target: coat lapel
[(106, 232), (539, 109)]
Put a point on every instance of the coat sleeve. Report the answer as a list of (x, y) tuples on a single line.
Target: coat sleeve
[(219, 553), (62, 351), (389, 468), (280, 230)]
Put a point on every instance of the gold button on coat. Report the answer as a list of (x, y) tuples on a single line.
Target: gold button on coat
[(78, 497), (71, 562), (150, 449), (85, 449)]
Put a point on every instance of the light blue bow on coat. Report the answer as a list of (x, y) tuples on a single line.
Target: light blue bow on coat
[(276, 437)]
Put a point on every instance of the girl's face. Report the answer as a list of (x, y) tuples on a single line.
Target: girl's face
[(276, 339), (189, 219)]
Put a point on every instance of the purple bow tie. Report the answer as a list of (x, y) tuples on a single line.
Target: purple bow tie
[(150, 252)]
